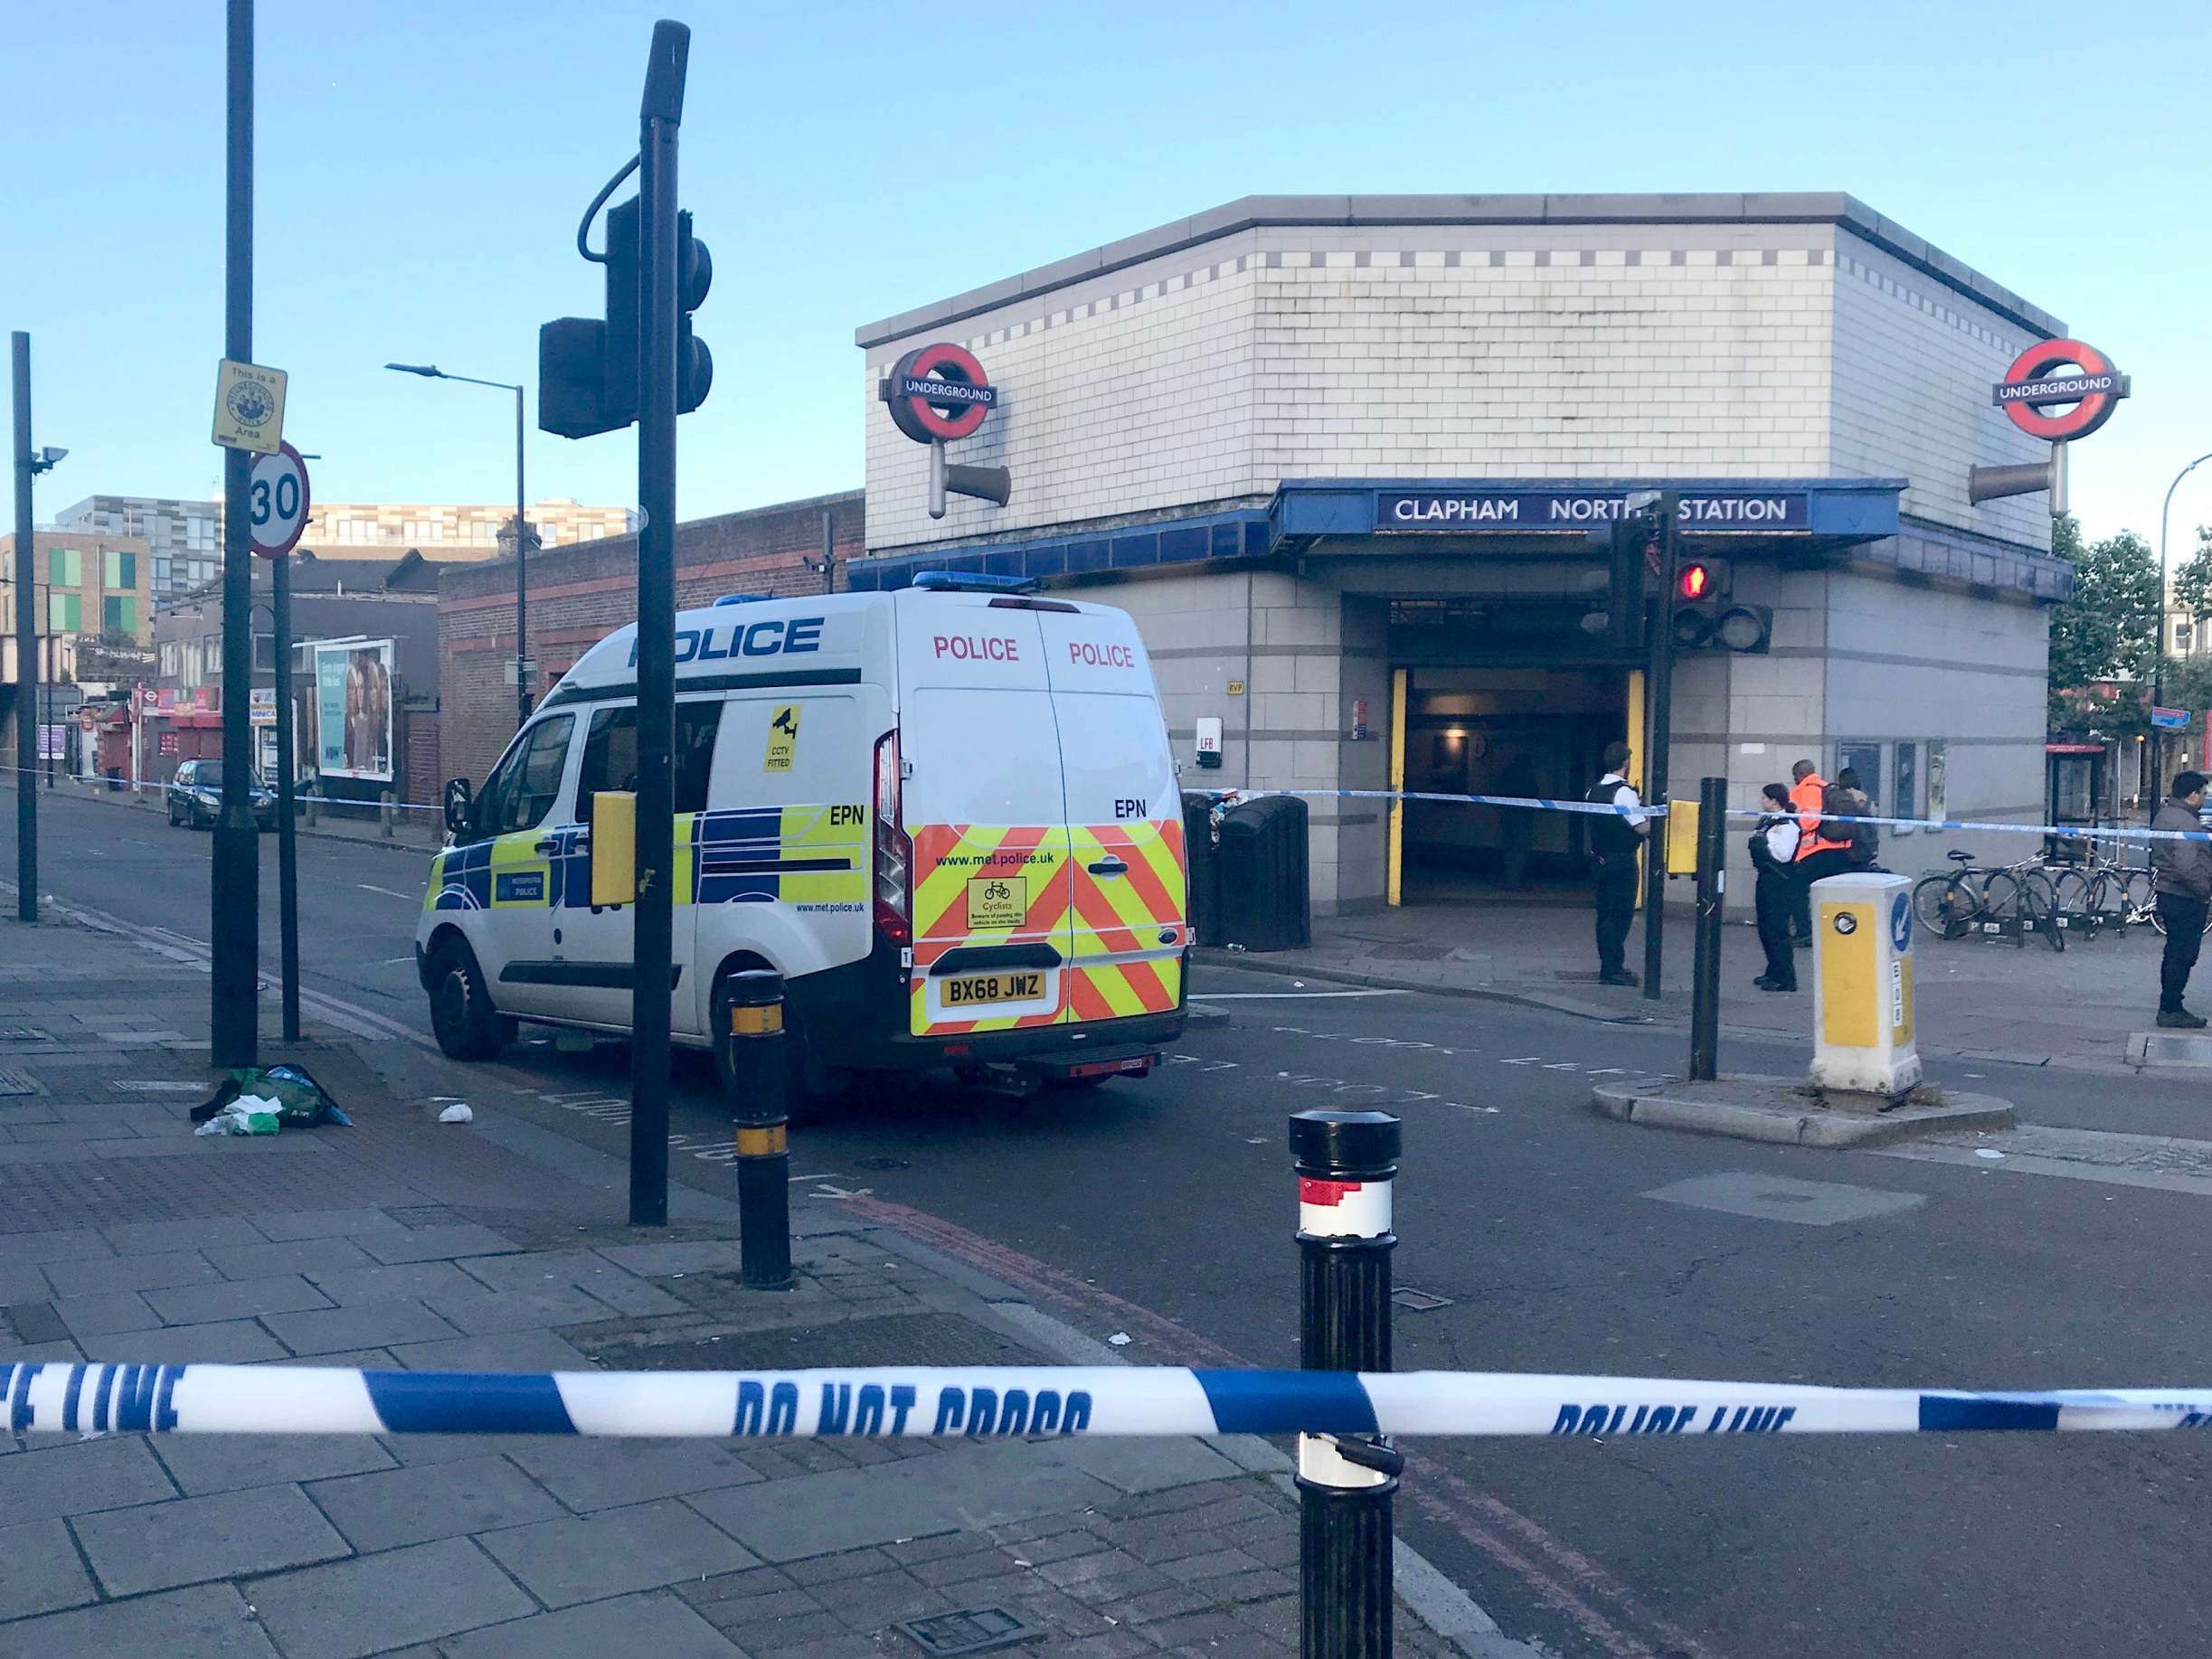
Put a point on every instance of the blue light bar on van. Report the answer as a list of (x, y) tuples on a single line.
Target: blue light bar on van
[(970, 581), (742, 599)]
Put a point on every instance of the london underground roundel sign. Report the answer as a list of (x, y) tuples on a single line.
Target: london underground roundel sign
[(938, 393), (2054, 373)]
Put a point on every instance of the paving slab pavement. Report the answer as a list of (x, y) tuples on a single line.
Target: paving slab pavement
[(402, 1242), (1976, 997)]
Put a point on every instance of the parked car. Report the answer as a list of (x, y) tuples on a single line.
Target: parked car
[(195, 798)]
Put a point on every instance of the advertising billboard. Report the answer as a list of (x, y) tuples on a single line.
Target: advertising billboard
[(353, 710)]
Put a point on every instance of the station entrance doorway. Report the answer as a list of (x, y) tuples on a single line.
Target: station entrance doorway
[(1504, 730)]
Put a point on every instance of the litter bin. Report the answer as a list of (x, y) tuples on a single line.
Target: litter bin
[(1262, 874), (1202, 866)]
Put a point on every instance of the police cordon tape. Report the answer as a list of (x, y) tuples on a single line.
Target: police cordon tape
[(1657, 809), (976, 1402), (2072, 832)]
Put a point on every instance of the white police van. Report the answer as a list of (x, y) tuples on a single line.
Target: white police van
[(947, 814)]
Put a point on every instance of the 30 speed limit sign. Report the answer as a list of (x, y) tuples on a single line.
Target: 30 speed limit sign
[(277, 503)]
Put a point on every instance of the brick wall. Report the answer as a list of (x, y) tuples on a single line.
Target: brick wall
[(579, 595)]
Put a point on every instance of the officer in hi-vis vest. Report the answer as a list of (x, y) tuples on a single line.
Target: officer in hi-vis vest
[(1615, 838)]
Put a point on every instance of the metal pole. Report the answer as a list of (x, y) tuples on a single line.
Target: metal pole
[(2158, 667), (287, 863), (829, 554), (27, 656), (1345, 1162), (653, 914), (1659, 679), (1712, 884), (522, 578), (235, 924), (760, 1111)]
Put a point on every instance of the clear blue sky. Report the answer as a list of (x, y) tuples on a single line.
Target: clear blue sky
[(422, 167)]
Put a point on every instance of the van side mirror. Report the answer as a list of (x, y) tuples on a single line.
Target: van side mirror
[(458, 805), (614, 848)]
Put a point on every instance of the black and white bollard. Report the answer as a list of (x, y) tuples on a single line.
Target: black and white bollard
[(757, 1106), (1345, 1162)]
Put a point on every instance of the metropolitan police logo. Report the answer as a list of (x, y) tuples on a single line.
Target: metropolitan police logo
[(250, 404)]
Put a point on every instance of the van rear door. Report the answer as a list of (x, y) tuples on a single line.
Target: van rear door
[(1124, 814), (984, 803)]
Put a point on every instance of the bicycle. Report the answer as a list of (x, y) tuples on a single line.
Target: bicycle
[(2017, 898)]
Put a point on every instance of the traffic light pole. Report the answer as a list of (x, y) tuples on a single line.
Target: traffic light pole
[(235, 891), (1659, 681), (653, 916), (288, 851), (26, 657)]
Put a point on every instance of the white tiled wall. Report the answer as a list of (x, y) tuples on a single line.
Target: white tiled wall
[(1541, 352), (1915, 363)]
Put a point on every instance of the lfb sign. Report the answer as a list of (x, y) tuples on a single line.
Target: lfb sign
[(2078, 382), (938, 393)]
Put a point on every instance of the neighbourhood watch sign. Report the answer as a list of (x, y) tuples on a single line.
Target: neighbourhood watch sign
[(1464, 512)]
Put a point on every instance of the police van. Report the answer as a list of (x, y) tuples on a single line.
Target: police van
[(947, 814)]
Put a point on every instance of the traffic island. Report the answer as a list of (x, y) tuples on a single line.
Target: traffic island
[(1791, 1112)]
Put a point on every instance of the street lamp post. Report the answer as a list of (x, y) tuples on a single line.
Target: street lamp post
[(2157, 663), (29, 464), (431, 370)]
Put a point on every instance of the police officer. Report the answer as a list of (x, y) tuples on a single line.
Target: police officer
[(1615, 838)]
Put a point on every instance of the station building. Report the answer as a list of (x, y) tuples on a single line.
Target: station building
[(1342, 456)]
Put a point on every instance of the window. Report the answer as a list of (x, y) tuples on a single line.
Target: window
[(64, 613), (200, 534), (119, 570), (119, 613), (610, 754), (162, 568), (64, 567), (264, 652), (1864, 756), (171, 660), (1908, 781), (2183, 634), (523, 788)]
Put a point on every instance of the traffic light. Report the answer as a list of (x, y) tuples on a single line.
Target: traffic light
[(1703, 616), (588, 368), (695, 274), (1613, 584)]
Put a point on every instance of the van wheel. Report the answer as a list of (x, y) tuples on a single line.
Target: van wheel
[(462, 1018), (809, 1087)]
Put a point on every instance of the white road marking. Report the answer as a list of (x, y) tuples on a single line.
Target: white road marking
[(403, 898), (388, 961), (1282, 996)]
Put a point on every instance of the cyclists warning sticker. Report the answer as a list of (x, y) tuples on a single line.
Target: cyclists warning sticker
[(783, 738), (996, 901)]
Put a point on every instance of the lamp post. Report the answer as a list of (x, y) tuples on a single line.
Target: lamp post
[(431, 370), (29, 464), (2158, 664)]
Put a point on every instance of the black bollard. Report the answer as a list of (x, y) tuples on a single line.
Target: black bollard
[(759, 1109), (1345, 1162)]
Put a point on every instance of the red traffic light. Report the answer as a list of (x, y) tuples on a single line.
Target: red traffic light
[(1695, 581)]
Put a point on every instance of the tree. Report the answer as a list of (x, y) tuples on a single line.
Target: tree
[(2193, 581), (2108, 631)]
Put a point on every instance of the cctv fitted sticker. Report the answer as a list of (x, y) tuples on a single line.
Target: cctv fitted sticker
[(783, 738)]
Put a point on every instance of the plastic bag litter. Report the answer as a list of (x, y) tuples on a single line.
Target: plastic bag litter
[(458, 1112), (246, 1115), (297, 1100)]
